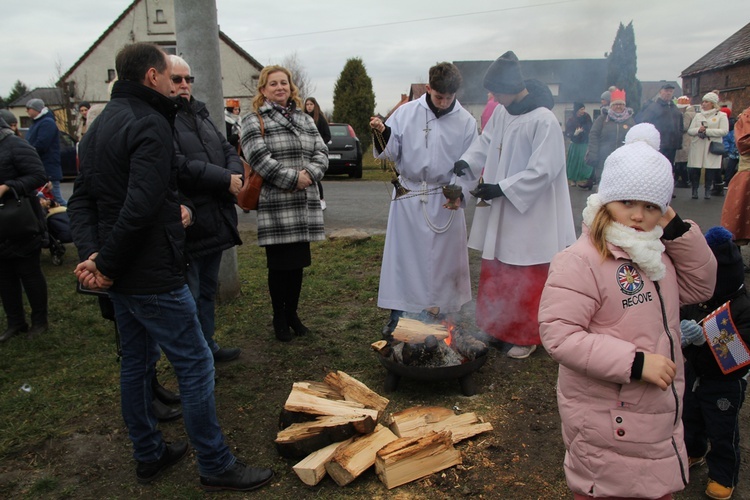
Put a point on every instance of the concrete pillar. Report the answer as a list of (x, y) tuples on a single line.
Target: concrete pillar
[(197, 30)]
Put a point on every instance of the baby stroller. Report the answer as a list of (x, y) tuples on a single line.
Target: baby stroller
[(58, 227)]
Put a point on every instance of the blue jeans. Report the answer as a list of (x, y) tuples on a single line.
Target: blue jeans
[(58, 194), (168, 320), (203, 279)]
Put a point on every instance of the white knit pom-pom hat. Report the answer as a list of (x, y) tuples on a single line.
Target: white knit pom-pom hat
[(638, 171)]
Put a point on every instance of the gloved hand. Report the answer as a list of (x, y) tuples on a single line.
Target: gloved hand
[(487, 191), (459, 168), (692, 333)]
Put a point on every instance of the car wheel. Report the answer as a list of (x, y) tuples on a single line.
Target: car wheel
[(357, 174)]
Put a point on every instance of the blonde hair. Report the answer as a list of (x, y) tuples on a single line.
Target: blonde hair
[(259, 98), (601, 222)]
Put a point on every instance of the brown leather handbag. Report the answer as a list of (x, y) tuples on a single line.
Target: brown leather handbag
[(249, 194)]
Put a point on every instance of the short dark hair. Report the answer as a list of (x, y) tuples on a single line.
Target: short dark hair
[(445, 78), (135, 59)]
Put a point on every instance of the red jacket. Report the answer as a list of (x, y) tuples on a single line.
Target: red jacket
[(622, 437)]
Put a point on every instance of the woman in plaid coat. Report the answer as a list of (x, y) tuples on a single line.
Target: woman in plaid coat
[(282, 144)]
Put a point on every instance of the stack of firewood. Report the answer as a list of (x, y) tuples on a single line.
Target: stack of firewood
[(333, 426)]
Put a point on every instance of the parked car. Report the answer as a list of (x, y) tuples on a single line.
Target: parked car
[(68, 153), (344, 151)]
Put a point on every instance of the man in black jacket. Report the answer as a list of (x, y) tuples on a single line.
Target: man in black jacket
[(126, 223), (210, 175), (663, 114)]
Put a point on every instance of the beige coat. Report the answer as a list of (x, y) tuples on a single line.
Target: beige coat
[(717, 126), (688, 113)]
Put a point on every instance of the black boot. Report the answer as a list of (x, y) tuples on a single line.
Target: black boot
[(707, 194), (12, 331), (695, 178), (281, 328), (293, 290), (163, 394), (164, 413), (277, 287)]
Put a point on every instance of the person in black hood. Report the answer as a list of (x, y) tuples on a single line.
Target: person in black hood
[(522, 154), (210, 175)]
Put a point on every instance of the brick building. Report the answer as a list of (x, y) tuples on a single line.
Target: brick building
[(726, 68)]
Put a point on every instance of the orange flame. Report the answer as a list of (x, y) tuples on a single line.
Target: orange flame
[(451, 328)]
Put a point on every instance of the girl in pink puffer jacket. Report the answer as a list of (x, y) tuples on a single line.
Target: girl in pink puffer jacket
[(609, 315)]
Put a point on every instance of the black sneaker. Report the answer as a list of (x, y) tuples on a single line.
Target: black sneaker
[(173, 453), (238, 477), (227, 354)]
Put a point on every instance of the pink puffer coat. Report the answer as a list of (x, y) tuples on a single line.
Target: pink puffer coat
[(622, 437)]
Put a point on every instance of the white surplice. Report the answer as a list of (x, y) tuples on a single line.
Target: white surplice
[(533, 220), (425, 259)]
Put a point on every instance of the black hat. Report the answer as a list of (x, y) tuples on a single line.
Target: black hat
[(730, 273), (667, 86), (578, 105), (504, 75)]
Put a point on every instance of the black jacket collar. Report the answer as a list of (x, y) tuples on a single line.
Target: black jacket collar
[(162, 104), (539, 97)]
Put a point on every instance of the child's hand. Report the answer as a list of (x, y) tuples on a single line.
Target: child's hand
[(692, 333), (658, 370), (667, 217)]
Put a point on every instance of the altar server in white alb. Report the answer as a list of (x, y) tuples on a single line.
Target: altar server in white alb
[(425, 260), (529, 218)]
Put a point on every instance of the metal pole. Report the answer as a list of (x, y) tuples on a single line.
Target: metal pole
[(197, 28)]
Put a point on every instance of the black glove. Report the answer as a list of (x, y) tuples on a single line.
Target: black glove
[(487, 191), (459, 167)]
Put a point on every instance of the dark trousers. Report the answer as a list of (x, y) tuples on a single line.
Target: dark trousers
[(711, 415), (26, 271), (695, 177)]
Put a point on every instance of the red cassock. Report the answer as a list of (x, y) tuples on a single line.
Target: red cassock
[(508, 301)]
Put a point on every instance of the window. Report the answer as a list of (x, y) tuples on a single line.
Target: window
[(111, 75), (554, 88), (169, 49), (160, 18), (694, 86)]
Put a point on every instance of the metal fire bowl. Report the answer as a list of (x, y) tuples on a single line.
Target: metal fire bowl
[(462, 372)]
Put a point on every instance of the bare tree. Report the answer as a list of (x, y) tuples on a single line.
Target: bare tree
[(299, 75), (68, 91)]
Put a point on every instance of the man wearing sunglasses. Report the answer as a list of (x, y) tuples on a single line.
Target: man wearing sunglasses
[(210, 175)]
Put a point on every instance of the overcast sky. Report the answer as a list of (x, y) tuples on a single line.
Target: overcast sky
[(398, 40)]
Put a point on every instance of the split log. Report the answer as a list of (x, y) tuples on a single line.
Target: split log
[(420, 420), (313, 467), (352, 460), (354, 390), (299, 440), (467, 345), (411, 458), (415, 332), (304, 400)]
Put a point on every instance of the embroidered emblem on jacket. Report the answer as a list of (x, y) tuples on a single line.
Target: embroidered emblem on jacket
[(629, 279)]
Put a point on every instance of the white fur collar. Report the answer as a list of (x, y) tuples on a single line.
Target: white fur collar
[(644, 248)]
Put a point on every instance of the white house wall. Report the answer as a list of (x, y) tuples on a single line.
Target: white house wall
[(91, 74)]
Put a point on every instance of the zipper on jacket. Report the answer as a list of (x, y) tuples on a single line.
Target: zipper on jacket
[(671, 347), (682, 466), (674, 389)]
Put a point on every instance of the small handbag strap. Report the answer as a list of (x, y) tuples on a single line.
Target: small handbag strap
[(262, 133)]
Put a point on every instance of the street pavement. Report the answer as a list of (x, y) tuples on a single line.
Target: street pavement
[(364, 205)]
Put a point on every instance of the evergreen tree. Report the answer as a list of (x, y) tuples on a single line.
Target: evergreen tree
[(19, 89), (354, 100), (622, 65)]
